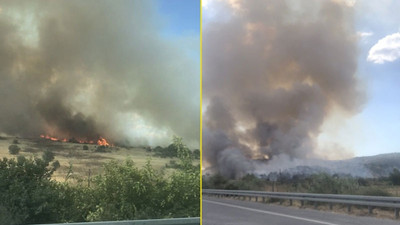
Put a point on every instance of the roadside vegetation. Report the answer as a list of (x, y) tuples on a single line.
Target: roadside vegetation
[(318, 183), (29, 195)]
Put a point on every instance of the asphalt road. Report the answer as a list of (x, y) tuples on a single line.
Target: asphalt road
[(235, 212)]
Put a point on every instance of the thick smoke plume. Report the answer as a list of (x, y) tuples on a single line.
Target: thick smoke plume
[(86, 69), (272, 72)]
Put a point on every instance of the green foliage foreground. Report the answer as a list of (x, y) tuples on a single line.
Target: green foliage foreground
[(123, 191)]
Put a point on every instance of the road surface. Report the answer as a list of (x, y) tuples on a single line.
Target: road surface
[(235, 212)]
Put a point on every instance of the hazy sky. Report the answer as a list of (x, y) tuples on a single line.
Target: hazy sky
[(375, 127), (182, 16)]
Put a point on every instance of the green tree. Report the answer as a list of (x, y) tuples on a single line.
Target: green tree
[(27, 193), (126, 192), (14, 149), (196, 154), (48, 156), (394, 176)]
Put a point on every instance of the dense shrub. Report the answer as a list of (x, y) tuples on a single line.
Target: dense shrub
[(48, 156), (85, 147), (14, 149), (196, 154), (394, 176), (328, 184), (374, 192), (27, 193), (15, 141), (100, 148), (56, 164), (216, 181), (122, 191), (170, 151), (172, 164)]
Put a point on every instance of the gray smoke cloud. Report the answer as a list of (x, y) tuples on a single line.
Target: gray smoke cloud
[(86, 69), (272, 72)]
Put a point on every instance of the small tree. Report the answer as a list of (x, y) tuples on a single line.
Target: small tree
[(394, 177), (56, 165), (101, 148), (48, 156), (13, 149), (196, 154)]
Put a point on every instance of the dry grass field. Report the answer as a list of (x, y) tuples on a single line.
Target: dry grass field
[(82, 161)]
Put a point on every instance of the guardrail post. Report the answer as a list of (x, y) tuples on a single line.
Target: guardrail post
[(370, 208), (348, 208), (291, 202), (330, 206), (315, 205), (256, 199), (263, 199), (396, 213), (302, 203)]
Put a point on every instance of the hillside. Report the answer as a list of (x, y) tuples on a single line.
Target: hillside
[(367, 166)]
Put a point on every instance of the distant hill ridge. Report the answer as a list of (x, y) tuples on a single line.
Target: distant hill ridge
[(366, 166)]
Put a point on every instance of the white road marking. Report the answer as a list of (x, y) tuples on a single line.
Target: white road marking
[(270, 213)]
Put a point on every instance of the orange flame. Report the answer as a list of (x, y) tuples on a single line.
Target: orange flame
[(102, 142), (52, 138)]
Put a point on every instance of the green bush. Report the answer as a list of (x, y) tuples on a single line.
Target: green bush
[(48, 156), (27, 193), (56, 164), (15, 141), (196, 154), (372, 191), (327, 184), (172, 164), (100, 148), (122, 191), (14, 149), (85, 147), (394, 177), (170, 151)]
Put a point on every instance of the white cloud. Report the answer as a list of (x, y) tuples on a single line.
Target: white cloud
[(386, 49), (364, 34)]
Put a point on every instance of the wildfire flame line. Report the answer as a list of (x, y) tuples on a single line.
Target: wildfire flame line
[(101, 141)]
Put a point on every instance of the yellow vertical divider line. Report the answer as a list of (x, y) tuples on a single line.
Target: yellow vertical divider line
[(201, 113)]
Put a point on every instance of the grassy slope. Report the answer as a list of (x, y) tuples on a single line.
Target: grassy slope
[(82, 160)]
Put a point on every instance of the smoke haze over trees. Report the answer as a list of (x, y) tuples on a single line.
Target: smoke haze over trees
[(86, 69), (273, 72)]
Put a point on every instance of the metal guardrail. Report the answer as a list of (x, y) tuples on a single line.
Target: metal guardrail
[(349, 200), (174, 221)]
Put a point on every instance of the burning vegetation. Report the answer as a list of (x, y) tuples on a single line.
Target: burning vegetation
[(273, 73), (100, 141), (56, 79)]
